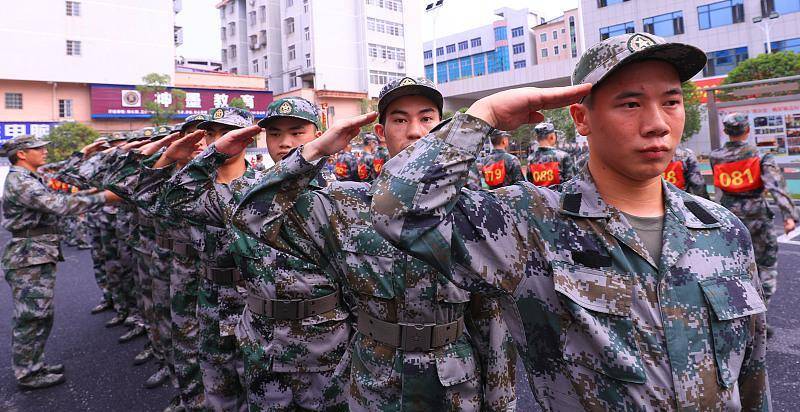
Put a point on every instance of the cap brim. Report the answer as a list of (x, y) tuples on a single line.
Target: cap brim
[(204, 125), (39, 144), (188, 124), (263, 122), (410, 90), (687, 59)]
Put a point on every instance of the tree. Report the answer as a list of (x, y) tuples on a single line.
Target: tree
[(765, 66), (166, 102), (238, 103), (562, 121), (68, 138), (693, 109)]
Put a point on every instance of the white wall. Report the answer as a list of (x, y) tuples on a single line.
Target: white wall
[(122, 40)]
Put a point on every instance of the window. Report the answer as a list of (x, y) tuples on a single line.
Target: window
[(255, 66), (572, 37), (381, 77), (73, 8), (497, 60), (555, 34), (73, 48), (13, 100), (305, 6), (555, 50), (543, 37), (519, 64), (451, 48), (792, 45), (252, 16), (384, 26), (308, 59), (466, 66), (222, 33), (616, 30), (478, 65), (292, 79), (517, 31), (563, 30), (464, 45), (262, 14), (289, 3), (222, 13), (500, 33), (307, 33), (427, 54), (224, 54), (441, 72), (231, 29), (429, 72), (291, 53), (394, 5), (518, 48), (230, 7), (780, 6), (476, 42), (440, 51), (544, 52), (253, 41), (290, 25), (264, 64), (452, 69), (604, 3), (234, 70), (65, 108), (387, 52), (722, 61), (262, 37), (233, 51), (721, 13), (664, 25)]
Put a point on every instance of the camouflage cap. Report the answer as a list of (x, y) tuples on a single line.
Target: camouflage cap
[(735, 123), (191, 120), (296, 107), (22, 142), (370, 138), (148, 132), (602, 59), (408, 86), (228, 116), (116, 137), (543, 129), (161, 131)]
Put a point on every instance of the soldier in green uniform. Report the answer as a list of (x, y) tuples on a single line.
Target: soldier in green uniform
[(366, 164), (500, 168), (31, 212), (548, 165), (744, 175), (628, 293), (684, 172)]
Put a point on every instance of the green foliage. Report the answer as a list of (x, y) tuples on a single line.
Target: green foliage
[(562, 121), (765, 66), (368, 105), (238, 103), (693, 109), (155, 83), (68, 138)]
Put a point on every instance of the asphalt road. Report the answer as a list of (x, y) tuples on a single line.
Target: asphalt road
[(101, 376)]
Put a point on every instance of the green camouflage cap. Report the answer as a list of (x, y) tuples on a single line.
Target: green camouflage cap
[(296, 107), (228, 116), (602, 59), (370, 138), (735, 123), (148, 132), (21, 142), (191, 120), (161, 131), (543, 129), (408, 86), (115, 137)]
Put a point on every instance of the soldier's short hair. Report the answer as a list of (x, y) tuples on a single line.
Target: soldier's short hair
[(498, 136)]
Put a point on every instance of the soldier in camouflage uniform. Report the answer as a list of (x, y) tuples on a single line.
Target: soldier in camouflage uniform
[(548, 165), (346, 166), (743, 174), (500, 168), (684, 172), (381, 155), (31, 212), (367, 170), (613, 311), (410, 352)]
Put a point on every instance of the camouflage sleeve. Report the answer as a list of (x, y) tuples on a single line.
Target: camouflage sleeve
[(92, 170), (123, 176), (284, 213), (515, 168), (695, 183), (476, 239), (474, 178), (151, 182), (68, 172), (775, 184), (568, 168), (34, 194), (189, 193)]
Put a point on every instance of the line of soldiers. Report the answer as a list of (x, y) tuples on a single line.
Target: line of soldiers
[(288, 289)]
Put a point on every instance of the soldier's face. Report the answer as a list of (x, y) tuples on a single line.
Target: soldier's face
[(408, 119), (286, 133), (634, 121), (35, 157)]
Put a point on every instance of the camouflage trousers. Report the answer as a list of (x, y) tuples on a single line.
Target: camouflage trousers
[(161, 321), (143, 263), (120, 279), (498, 354), (288, 391), (184, 280), (32, 290), (765, 246), (220, 356), (98, 264)]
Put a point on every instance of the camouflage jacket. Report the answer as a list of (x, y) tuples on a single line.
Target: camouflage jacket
[(381, 157), (750, 204), (27, 204), (312, 344), (549, 166), (366, 167), (684, 172), (500, 169), (599, 324), (346, 167)]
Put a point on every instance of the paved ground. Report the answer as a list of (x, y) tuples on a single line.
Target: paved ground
[(101, 376)]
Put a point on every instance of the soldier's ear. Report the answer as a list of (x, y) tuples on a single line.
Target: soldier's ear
[(379, 130), (581, 118)]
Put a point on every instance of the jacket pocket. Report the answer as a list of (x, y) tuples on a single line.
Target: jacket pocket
[(598, 331), (370, 262), (732, 301)]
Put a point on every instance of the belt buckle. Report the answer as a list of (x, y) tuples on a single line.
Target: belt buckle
[(286, 309), (416, 337)]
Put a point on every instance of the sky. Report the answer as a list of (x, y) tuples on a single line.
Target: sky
[(200, 20)]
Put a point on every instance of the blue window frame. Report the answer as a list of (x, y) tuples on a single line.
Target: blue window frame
[(476, 42), (604, 3), (429, 72), (497, 60), (517, 31), (518, 48), (664, 25), (466, 66), (722, 61), (500, 33), (441, 72), (792, 45), (616, 30), (519, 64), (452, 69), (428, 54), (783, 6), (721, 13), (479, 64)]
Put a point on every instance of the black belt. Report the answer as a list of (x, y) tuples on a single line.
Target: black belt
[(293, 309), (164, 242), (222, 276), (410, 337), (183, 249), (36, 231)]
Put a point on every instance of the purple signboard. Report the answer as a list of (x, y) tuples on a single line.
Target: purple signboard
[(118, 101)]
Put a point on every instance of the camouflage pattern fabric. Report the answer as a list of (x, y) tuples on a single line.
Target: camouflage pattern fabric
[(501, 169), (366, 168), (160, 268), (598, 323), (543, 155), (331, 227), (751, 207), (381, 157), (346, 167), (688, 173)]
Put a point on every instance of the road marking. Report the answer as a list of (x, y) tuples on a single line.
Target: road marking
[(787, 238)]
